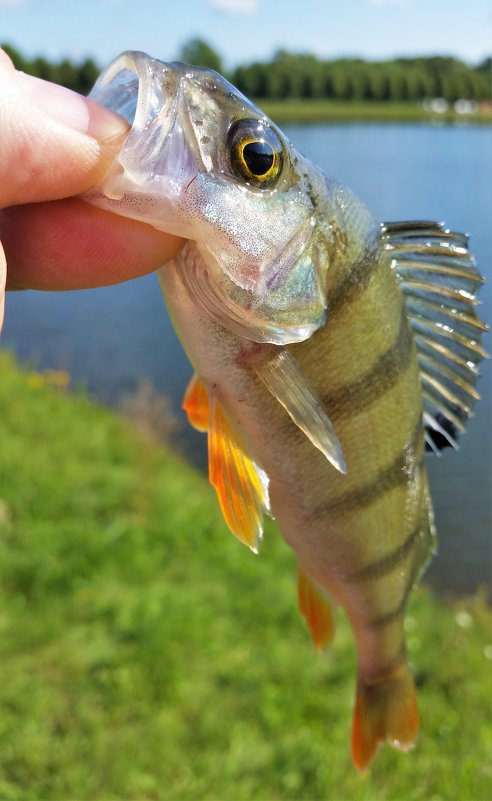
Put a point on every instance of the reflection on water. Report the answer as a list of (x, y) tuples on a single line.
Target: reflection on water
[(113, 339)]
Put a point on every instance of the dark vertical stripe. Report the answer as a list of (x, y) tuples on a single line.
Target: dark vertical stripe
[(355, 396), (353, 284), (386, 564), (401, 471), (390, 617)]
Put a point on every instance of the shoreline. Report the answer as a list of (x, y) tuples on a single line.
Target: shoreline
[(333, 111)]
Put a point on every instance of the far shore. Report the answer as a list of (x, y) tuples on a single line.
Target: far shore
[(334, 111)]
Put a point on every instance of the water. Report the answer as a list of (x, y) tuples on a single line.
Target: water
[(112, 339)]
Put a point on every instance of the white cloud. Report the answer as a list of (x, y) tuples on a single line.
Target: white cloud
[(12, 2), (235, 6)]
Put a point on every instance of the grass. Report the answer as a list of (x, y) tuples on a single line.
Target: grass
[(310, 111), (146, 655)]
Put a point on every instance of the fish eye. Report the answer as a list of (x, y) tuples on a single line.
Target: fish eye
[(255, 152)]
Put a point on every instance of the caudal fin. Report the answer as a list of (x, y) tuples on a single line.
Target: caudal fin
[(386, 712)]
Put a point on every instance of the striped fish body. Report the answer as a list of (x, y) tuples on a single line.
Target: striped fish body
[(329, 352), (361, 538), (370, 530)]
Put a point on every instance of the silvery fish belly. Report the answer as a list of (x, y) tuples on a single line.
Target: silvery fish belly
[(330, 351)]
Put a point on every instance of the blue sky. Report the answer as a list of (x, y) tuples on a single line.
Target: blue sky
[(244, 30)]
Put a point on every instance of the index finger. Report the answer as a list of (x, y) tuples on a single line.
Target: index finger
[(70, 244)]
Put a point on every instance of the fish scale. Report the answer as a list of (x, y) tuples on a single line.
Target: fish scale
[(365, 507), (329, 351)]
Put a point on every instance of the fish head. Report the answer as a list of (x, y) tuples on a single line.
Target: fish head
[(204, 163)]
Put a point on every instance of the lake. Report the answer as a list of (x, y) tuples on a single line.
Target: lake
[(113, 339)]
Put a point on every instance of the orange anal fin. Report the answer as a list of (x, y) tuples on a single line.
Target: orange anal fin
[(386, 712), (317, 609), (241, 486), (195, 403)]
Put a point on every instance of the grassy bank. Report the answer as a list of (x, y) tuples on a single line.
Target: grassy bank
[(146, 655), (309, 111)]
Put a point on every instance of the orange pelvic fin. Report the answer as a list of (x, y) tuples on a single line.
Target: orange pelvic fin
[(242, 487), (317, 609), (195, 403), (385, 712)]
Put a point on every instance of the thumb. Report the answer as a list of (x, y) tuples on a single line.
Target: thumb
[(55, 143)]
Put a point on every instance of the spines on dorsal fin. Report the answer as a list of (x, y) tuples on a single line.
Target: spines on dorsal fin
[(440, 281), (317, 609), (284, 379)]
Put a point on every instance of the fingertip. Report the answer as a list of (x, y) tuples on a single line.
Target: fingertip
[(77, 112), (54, 142)]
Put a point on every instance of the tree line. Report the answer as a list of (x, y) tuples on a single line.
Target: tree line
[(293, 75), (404, 79), (79, 77)]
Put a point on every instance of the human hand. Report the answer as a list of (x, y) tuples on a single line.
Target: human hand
[(56, 144)]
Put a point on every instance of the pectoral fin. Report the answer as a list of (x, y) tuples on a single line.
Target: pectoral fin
[(317, 609), (195, 403), (241, 486), (283, 378)]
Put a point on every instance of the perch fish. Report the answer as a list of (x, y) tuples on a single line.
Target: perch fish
[(330, 351)]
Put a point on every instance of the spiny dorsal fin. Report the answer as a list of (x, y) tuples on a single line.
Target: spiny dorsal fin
[(317, 610), (440, 281), (284, 379), (241, 486)]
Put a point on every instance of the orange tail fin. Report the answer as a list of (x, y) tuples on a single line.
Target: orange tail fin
[(386, 712)]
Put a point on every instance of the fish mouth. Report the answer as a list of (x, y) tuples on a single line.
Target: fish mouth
[(136, 87), (158, 160)]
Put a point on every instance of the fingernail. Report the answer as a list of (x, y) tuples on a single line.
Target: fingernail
[(72, 109)]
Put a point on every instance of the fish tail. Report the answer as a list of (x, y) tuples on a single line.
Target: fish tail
[(384, 712)]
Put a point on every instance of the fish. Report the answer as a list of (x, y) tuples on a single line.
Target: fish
[(330, 352)]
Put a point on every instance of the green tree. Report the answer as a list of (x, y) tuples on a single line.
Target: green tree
[(360, 82), (417, 83), (18, 60), (314, 81), (397, 81), (42, 68), (201, 54), (87, 75), (68, 75), (343, 81), (379, 88)]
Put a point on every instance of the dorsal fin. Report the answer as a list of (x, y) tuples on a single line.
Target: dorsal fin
[(241, 486), (440, 281)]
